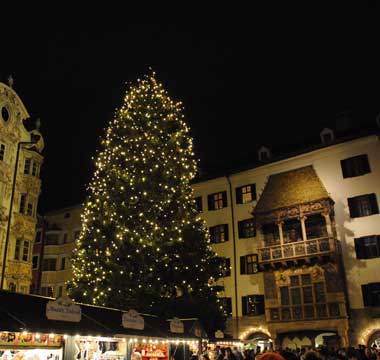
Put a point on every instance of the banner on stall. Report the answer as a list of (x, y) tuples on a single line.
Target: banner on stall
[(63, 309), (219, 334), (176, 326), (133, 320), (29, 339)]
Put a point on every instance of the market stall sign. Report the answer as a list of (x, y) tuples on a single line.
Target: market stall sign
[(219, 334), (176, 326), (132, 320), (63, 309)]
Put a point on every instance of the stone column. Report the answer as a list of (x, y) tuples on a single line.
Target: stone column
[(279, 224), (326, 215), (303, 227)]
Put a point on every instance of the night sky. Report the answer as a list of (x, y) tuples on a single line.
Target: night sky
[(273, 78)]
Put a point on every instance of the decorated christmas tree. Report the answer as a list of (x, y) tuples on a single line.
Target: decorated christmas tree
[(142, 243)]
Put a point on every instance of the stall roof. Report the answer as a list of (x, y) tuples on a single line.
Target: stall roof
[(19, 312)]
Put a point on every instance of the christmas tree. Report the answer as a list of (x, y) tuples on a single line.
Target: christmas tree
[(142, 243)]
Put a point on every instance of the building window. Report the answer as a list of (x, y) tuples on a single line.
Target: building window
[(25, 253), (2, 152), (35, 168), (245, 194), (363, 205), (264, 153), (246, 228), (227, 305), (367, 247), (26, 205), (67, 215), (249, 264), (22, 203), (292, 230), (27, 164), (226, 267), (253, 305), (49, 264), (47, 291), (35, 261), (217, 201), (198, 203), (63, 263), (38, 236), (22, 250), (300, 294), (271, 234), (371, 294), (327, 136), (18, 249), (355, 166), (29, 208), (219, 233), (31, 167), (52, 239)]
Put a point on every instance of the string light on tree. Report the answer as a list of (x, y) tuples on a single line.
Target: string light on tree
[(140, 227)]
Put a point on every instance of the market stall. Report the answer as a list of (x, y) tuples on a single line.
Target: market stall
[(39, 328)]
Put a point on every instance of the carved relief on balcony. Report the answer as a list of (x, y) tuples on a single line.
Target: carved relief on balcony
[(23, 225), (29, 184), (5, 173), (3, 216), (333, 278), (19, 270), (319, 206), (270, 285)]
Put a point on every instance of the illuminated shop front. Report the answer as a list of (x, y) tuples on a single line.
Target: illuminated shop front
[(39, 328), (30, 346)]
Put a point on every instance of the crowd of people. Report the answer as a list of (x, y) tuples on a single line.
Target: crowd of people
[(321, 353)]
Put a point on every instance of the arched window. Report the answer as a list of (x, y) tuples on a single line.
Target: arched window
[(264, 153), (327, 136), (12, 287)]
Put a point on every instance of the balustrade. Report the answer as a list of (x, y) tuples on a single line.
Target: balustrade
[(297, 249)]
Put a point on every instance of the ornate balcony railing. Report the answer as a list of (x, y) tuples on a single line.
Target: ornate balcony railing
[(298, 249), (306, 312)]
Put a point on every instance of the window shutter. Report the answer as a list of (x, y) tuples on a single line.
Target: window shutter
[(240, 229), (226, 232), (210, 202), (224, 194), (345, 170), (359, 248), (242, 265), (366, 292), (378, 245), (374, 205), (253, 189), (352, 204), (244, 305), (365, 164), (239, 197)]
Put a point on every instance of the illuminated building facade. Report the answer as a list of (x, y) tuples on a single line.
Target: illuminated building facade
[(20, 186)]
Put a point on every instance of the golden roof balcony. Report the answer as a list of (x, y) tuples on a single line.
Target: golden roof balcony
[(307, 250)]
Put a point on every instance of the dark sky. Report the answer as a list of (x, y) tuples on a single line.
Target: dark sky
[(271, 77)]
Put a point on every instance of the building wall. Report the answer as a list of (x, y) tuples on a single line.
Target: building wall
[(326, 162), (64, 226), (18, 272)]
